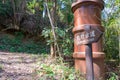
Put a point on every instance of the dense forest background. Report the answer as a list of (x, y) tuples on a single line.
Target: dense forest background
[(45, 26)]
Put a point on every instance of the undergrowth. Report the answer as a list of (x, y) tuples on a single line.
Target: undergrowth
[(56, 69), (16, 44)]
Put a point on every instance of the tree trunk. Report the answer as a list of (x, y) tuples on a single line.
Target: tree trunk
[(18, 11), (52, 18)]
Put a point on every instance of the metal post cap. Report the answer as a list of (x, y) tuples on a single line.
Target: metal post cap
[(78, 3)]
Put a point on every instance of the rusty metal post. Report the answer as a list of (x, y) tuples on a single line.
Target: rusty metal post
[(88, 12), (89, 63)]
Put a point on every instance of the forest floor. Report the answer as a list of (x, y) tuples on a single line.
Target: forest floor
[(18, 66), (22, 66)]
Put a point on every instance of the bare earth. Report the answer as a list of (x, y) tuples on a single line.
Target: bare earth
[(17, 66), (21, 66)]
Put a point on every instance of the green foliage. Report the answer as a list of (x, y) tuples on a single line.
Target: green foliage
[(47, 33), (6, 8), (32, 4), (17, 44), (113, 76), (112, 29), (47, 70), (64, 11), (56, 70), (64, 39), (63, 33), (111, 47)]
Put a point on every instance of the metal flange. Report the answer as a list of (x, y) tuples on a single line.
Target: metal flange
[(77, 3)]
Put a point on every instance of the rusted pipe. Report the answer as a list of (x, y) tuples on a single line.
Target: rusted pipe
[(88, 12)]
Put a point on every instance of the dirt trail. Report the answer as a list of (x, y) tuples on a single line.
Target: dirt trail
[(17, 66)]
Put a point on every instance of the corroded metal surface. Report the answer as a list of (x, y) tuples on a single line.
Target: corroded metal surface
[(88, 12), (79, 3)]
